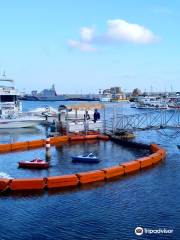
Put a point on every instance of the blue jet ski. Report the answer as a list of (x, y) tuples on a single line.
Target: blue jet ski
[(88, 158)]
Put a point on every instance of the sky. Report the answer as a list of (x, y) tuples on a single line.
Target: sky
[(82, 46)]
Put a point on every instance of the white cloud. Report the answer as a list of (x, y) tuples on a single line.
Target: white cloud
[(83, 46), (87, 33), (120, 30)]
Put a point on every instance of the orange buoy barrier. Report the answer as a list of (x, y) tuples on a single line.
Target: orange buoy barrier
[(82, 177), (36, 143), (130, 167), (103, 137), (145, 161), (93, 133), (154, 147), (114, 171), (162, 152), (62, 181), (156, 157), (5, 148), (59, 139), (91, 136), (19, 146), (91, 176), (53, 141), (4, 184), (77, 138), (27, 184)]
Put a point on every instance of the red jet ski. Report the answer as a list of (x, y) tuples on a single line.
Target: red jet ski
[(35, 163)]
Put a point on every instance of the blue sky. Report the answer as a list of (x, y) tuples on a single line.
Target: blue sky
[(84, 46)]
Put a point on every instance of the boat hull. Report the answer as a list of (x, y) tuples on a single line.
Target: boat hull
[(33, 165), (85, 160), (7, 124)]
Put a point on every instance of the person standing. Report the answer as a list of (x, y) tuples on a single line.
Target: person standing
[(86, 121), (96, 115), (86, 115)]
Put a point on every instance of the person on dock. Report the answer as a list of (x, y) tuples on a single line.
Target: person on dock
[(86, 121), (86, 116), (96, 115)]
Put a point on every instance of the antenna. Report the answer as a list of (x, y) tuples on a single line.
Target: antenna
[(4, 79), (171, 88), (4, 73)]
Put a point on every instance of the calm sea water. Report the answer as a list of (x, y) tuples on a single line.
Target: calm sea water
[(150, 199)]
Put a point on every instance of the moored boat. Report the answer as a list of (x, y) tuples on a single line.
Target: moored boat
[(87, 158), (44, 111), (35, 164), (11, 115), (20, 122)]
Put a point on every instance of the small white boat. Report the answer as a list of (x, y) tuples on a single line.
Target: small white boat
[(44, 111), (133, 105), (21, 122)]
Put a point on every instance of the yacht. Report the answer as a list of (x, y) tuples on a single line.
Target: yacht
[(11, 115), (9, 103), (150, 102), (174, 103)]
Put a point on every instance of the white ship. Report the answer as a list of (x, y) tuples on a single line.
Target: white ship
[(11, 115)]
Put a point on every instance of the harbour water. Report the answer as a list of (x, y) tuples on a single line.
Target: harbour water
[(110, 210)]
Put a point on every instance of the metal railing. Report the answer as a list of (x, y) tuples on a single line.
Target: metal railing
[(144, 121)]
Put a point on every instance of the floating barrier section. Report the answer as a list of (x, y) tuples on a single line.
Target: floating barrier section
[(5, 148), (19, 146), (27, 184), (103, 137), (36, 144), (92, 176), (73, 180), (77, 138), (91, 137), (59, 139), (112, 172), (130, 167), (156, 157), (4, 184), (62, 181), (145, 162)]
